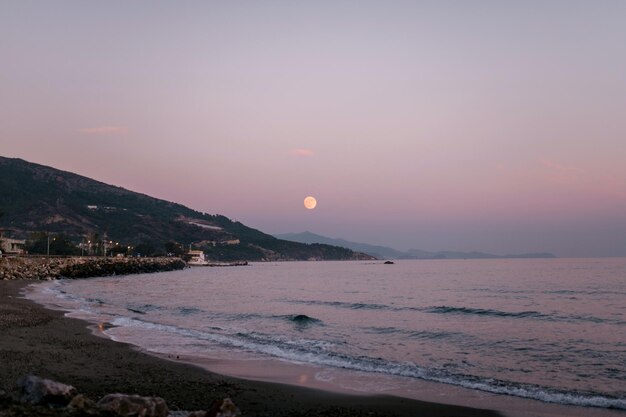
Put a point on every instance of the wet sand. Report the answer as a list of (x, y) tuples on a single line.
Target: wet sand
[(35, 340)]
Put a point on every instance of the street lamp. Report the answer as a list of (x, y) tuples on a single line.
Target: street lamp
[(48, 244)]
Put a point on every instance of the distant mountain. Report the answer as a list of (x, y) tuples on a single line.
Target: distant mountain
[(36, 199), (381, 252), (384, 252)]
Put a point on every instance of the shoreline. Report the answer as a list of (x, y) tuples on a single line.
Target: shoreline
[(43, 342)]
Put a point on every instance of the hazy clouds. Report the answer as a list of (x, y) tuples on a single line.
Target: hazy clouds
[(484, 125)]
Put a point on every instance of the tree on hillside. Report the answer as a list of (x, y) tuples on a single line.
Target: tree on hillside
[(174, 248), (94, 243), (145, 249), (42, 243), (118, 249)]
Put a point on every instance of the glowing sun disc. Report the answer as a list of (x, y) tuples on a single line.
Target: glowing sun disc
[(310, 202)]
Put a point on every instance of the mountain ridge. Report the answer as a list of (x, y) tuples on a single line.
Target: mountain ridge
[(38, 199), (384, 252)]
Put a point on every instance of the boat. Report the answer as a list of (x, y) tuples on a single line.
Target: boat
[(197, 258)]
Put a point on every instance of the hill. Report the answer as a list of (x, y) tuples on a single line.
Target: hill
[(381, 252), (384, 252), (37, 200)]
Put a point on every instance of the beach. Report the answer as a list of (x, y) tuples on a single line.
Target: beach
[(38, 341)]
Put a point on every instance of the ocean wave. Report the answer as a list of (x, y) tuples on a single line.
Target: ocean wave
[(522, 315), (484, 312), (416, 334), (143, 308), (186, 311), (78, 303), (319, 353), (348, 305), (592, 319), (241, 317), (586, 292), (303, 319)]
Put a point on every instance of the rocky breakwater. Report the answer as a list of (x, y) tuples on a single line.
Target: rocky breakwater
[(43, 268)]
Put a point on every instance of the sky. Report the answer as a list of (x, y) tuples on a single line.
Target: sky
[(496, 126)]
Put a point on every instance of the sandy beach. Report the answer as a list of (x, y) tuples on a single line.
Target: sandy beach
[(43, 342)]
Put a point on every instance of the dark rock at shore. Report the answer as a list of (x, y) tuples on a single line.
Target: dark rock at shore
[(223, 408), (134, 405), (41, 391), (82, 402), (45, 397)]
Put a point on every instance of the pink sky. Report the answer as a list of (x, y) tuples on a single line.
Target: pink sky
[(483, 125)]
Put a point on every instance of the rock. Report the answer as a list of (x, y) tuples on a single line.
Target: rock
[(78, 267), (81, 402), (388, 263), (198, 414), (134, 405), (223, 408), (41, 391)]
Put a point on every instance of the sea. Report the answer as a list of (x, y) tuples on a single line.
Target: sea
[(545, 331)]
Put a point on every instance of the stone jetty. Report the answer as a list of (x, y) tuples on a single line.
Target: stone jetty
[(49, 268)]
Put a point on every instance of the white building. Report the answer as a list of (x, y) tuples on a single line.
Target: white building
[(12, 246)]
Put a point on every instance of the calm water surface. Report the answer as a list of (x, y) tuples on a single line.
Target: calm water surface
[(552, 330)]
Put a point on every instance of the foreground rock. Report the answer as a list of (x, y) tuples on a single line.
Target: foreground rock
[(45, 397), (41, 391), (42, 268), (224, 408), (134, 405)]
